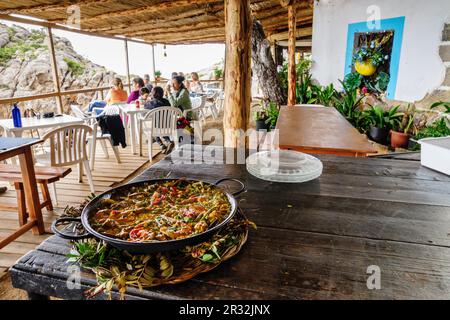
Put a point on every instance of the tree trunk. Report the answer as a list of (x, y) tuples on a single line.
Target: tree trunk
[(238, 25), (264, 67)]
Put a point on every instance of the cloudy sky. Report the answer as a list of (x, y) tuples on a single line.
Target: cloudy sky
[(110, 53)]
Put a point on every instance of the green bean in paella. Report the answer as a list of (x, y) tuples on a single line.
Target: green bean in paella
[(162, 211)]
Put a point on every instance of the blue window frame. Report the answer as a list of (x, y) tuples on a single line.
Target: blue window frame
[(396, 24)]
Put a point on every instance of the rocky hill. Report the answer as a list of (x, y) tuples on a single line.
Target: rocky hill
[(25, 69)]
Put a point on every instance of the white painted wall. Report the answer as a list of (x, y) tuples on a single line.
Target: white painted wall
[(421, 69)]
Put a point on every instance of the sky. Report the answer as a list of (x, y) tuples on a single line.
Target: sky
[(111, 54)]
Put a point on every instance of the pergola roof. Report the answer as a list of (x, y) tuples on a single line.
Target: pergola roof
[(162, 21)]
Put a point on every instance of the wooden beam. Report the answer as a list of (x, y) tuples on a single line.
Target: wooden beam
[(138, 10), (153, 62), (292, 79), (61, 5), (238, 30), (47, 24), (305, 31), (127, 65), (177, 29), (52, 94), (54, 65), (152, 22)]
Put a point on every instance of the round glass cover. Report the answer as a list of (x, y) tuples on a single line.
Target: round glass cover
[(284, 166)]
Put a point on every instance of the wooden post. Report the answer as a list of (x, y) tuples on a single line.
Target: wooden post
[(238, 30), (153, 62), (127, 64), (292, 79), (54, 65)]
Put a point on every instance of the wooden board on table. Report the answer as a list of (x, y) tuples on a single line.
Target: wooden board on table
[(320, 130)]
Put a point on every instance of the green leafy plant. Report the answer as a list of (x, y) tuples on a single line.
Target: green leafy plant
[(438, 129), (348, 104), (273, 111), (74, 67), (372, 52), (379, 83), (446, 105), (260, 115), (353, 80), (376, 116), (218, 73), (157, 74), (324, 95)]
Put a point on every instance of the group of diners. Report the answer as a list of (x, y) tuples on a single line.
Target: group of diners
[(176, 93)]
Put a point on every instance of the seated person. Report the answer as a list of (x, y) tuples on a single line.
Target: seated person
[(138, 83), (116, 94), (179, 94), (157, 99), (144, 94), (195, 85), (168, 85), (147, 82)]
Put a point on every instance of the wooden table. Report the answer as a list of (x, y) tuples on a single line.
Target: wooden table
[(320, 130), (11, 147), (314, 240)]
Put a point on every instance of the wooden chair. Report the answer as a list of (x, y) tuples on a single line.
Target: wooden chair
[(44, 176), (96, 136), (67, 148), (159, 122)]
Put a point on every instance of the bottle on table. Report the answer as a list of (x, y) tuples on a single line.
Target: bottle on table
[(17, 118)]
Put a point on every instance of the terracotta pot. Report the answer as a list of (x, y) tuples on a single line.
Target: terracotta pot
[(399, 139)]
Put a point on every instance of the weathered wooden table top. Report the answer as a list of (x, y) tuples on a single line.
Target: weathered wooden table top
[(314, 240)]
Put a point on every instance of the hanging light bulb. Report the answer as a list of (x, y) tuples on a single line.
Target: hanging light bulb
[(165, 53)]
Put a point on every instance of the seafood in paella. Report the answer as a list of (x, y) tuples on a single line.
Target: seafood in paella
[(161, 211)]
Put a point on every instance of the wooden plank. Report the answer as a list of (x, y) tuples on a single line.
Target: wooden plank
[(302, 129), (300, 266), (3, 272)]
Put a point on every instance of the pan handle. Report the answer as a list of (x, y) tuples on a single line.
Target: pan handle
[(71, 235), (242, 189)]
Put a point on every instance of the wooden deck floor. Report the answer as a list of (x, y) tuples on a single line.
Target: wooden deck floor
[(108, 173)]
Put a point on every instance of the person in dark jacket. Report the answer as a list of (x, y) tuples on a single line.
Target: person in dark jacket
[(157, 99)]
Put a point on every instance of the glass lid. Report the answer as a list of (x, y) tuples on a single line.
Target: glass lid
[(284, 166)]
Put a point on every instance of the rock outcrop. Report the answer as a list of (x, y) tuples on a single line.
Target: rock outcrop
[(25, 69)]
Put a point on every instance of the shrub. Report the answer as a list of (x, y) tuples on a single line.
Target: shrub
[(74, 67)]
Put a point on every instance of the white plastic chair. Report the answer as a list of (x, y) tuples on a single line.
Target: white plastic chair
[(198, 108), (67, 148), (159, 122), (96, 135)]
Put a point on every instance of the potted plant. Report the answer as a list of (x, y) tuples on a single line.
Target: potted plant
[(400, 138), (381, 122), (368, 58), (260, 120), (157, 75), (218, 73)]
